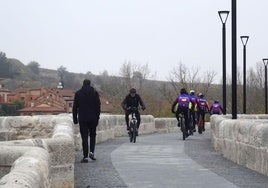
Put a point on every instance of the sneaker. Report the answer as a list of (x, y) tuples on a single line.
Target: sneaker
[(91, 156), (194, 130), (84, 160)]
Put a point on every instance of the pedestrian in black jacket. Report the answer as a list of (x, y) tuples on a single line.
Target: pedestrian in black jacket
[(132, 100), (87, 107)]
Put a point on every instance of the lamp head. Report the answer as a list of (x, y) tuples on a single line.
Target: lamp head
[(265, 61), (223, 15), (244, 39)]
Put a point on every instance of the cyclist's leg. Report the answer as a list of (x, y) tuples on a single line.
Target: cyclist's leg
[(177, 116), (194, 120), (186, 118), (127, 119), (198, 116), (203, 120), (138, 116)]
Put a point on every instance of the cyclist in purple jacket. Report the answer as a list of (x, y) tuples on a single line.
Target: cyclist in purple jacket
[(183, 102), (216, 108)]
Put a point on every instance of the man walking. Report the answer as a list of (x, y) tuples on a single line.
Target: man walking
[(87, 107)]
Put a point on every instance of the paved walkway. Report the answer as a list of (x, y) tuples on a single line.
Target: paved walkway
[(163, 160)]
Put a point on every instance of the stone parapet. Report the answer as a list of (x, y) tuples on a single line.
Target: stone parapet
[(111, 126), (39, 151), (243, 140), (43, 159)]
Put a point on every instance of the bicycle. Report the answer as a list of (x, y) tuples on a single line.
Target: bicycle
[(133, 125), (182, 125)]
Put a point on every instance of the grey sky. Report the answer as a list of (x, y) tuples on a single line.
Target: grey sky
[(98, 35)]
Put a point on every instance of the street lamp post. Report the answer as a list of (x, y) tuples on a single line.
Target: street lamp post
[(234, 61), (223, 16), (265, 62), (244, 40)]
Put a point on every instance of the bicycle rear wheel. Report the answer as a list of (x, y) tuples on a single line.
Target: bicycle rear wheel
[(130, 136), (130, 133), (134, 132), (183, 129)]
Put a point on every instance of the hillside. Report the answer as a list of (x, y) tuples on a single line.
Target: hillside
[(158, 95)]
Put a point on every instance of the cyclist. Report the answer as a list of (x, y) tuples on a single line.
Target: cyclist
[(193, 108), (132, 100), (203, 107), (183, 102), (216, 108)]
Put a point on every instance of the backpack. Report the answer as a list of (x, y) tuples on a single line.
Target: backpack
[(216, 109), (183, 102), (202, 104)]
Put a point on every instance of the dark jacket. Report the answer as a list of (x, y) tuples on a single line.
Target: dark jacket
[(130, 101), (86, 105)]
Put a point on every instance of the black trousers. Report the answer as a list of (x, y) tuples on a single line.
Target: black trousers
[(88, 129)]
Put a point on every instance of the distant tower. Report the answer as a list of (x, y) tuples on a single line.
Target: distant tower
[(60, 85)]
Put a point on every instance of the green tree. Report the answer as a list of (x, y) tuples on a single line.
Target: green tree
[(34, 67), (19, 104), (4, 66)]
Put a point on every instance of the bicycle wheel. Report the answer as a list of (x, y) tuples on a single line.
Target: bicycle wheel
[(183, 129), (134, 132), (130, 136), (130, 133)]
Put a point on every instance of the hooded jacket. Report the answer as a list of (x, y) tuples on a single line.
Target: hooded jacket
[(86, 105)]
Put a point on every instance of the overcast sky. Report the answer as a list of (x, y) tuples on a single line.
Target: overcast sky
[(99, 35)]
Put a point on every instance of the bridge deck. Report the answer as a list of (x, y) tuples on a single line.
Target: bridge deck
[(163, 160)]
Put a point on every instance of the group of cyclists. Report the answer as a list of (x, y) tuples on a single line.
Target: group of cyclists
[(193, 108)]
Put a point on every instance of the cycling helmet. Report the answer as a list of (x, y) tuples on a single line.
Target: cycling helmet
[(216, 101), (200, 95), (192, 92), (132, 90), (183, 91)]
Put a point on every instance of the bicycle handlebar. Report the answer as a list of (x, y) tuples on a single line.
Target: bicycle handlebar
[(132, 109)]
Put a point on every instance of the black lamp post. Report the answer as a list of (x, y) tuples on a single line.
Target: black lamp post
[(223, 16), (265, 62), (234, 61), (244, 40)]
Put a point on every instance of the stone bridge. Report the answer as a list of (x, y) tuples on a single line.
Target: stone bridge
[(39, 151)]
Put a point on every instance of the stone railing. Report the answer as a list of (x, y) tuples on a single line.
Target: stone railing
[(111, 126), (39, 151), (36, 151), (244, 140)]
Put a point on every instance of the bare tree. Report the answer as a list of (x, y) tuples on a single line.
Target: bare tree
[(255, 89), (126, 72), (209, 77)]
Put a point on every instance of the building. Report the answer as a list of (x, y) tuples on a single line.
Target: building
[(38, 101), (43, 100)]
